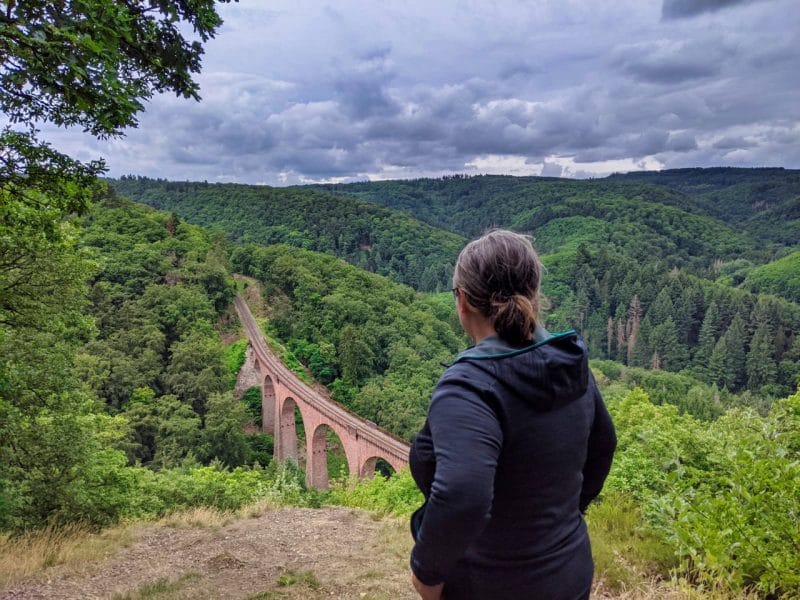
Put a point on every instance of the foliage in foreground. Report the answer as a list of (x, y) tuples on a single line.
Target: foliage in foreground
[(396, 495), (722, 494)]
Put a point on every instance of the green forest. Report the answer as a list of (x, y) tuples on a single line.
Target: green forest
[(366, 235), (645, 272), (119, 346)]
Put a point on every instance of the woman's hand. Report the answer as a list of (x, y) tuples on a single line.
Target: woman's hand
[(427, 592)]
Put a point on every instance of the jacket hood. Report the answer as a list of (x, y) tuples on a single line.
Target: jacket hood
[(551, 372)]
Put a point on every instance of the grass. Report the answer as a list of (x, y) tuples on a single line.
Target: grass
[(627, 556), (267, 595), (199, 517), (306, 578), (77, 548), (204, 517), (72, 546), (161, 589)]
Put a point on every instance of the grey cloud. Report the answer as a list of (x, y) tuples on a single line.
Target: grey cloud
[(730, 143), (681, 141), (361, 88), (649, 142), (519, 68), (669, 62), (786, 136), (677, 9)]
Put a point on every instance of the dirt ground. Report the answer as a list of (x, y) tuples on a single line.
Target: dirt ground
[(290, 553)]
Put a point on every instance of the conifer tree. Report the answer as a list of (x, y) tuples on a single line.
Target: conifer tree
[(789, 367), (761, 367), (662, 308), (718, 368), (737, 353), (633, 325), (620, 317), (709, 332)]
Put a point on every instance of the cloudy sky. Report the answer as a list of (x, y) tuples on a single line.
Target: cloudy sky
[(306, 91)]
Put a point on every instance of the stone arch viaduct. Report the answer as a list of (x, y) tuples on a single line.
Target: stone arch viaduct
[(281, 391)]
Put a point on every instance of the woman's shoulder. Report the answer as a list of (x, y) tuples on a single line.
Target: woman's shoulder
[(467, 372), (466, 382)]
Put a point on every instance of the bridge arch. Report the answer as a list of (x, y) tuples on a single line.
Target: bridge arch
[(375, 464), (286, 430), (317, 474)]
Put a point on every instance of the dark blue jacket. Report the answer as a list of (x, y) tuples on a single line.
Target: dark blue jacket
[(516, 444)]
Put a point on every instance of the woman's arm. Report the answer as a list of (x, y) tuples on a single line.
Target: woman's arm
[(600, 451), (467, 439)]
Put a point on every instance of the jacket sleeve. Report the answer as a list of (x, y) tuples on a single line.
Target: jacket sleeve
[(467, 440), (600, 451)]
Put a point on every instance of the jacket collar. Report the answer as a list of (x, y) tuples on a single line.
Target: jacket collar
[(495, 347)]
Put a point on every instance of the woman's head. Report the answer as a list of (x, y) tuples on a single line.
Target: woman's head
[(499, 275)]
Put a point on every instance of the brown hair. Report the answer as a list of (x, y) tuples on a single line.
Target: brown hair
[(500, 274)]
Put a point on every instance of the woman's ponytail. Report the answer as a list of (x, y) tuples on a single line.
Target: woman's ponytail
[(514, 318)]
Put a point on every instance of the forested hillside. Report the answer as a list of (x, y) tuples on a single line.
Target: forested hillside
[(115, 399), (368, 236), (747, 198), (649, 273), (755, 199), (119, 365)]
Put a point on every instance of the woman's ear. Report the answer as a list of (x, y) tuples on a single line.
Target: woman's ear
[(463, 306)]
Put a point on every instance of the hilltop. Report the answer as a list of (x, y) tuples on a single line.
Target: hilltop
[(299, 553)]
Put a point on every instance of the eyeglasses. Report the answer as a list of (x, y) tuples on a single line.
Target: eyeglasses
[(456, 292)]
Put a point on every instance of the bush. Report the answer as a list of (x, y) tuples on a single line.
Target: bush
[(252, 404), (738, 522), (235, 357), (163, 492), (723, 495), (396, 495)]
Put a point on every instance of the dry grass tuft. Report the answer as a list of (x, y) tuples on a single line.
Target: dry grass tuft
[(206, 517), (73, 546), (162, 589), (257, 509), (650, 590), (395, 540), (199, 517), (657, 589)]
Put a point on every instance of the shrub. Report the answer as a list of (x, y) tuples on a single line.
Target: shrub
[(397, 494), (738, 523)]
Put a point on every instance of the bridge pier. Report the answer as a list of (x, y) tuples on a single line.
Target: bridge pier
[(268, 408), (317, 461)]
